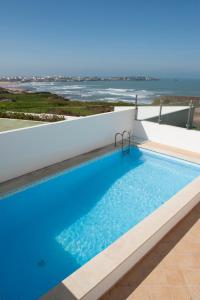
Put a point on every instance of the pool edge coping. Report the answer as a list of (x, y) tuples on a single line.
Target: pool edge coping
[(94, 278)]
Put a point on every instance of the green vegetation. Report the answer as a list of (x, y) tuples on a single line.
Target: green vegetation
[(51, 104), (25, 116)]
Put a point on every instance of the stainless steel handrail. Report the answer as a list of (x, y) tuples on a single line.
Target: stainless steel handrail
[(122, 137), (116, 134), (129, 140)]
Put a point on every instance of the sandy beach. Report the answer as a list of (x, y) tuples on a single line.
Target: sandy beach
[(9, 86)]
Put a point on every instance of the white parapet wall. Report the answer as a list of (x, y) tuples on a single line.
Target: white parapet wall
[(28, 149), (168, 135)]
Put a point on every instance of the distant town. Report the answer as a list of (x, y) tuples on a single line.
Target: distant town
[(74, 78)]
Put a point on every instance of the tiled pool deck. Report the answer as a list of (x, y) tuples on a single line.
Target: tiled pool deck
[(172, 269)]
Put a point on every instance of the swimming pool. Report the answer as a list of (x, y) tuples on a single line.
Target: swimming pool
[(50, 229)]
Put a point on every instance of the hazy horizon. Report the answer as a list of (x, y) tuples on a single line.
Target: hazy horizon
[(103, 75)]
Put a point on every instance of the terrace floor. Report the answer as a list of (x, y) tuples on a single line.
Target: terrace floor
[(171, 271)]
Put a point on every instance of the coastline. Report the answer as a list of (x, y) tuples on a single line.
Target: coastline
[(113, 91), (166, 99), (19, 103)]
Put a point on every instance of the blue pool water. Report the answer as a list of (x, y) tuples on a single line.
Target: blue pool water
[(49, 230)]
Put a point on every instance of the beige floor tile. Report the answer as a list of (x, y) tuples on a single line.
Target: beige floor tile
[(194, 291), (171, 270), (188, 261), (192, 276), (174, 277), (180, 293), (160, 292)]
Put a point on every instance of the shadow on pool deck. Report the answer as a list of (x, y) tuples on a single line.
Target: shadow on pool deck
[(170, 271)]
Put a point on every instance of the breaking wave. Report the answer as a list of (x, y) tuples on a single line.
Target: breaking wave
[(91, 92)]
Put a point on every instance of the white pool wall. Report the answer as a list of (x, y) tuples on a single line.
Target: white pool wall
[(173, 136), (28, 149)]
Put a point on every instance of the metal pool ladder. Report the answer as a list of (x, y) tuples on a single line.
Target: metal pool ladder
[(124, 150)]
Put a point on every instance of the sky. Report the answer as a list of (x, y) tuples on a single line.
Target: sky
[(99, 37)]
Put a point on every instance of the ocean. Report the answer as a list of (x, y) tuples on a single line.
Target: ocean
[(125, 91)]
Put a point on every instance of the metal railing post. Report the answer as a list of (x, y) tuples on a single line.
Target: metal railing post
[(192, 116), (160, 112), (136, 107), (189, 123)]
